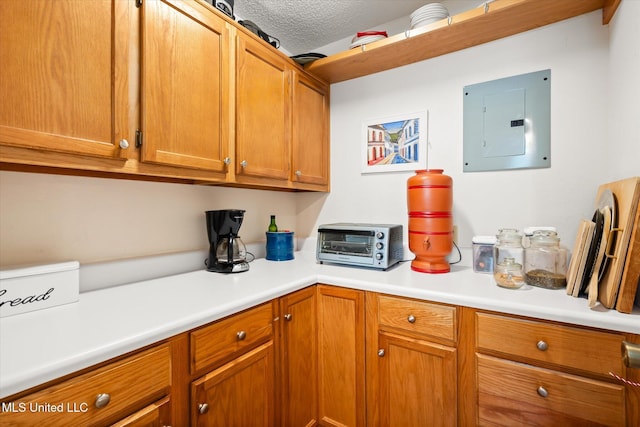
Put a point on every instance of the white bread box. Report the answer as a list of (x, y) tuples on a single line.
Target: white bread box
[(35, 288)]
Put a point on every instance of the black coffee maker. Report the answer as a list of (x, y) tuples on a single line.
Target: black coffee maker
[(227, 253)]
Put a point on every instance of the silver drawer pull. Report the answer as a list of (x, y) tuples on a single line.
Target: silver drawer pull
[(241, 335), (411, 318), (542, 392), (288, 317), (542, 346), (102, 400), (381, 352), (203, 408)]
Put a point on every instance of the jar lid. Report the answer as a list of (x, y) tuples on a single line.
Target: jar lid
[(510, 264), (545, 236), (509, 235), (528, 231), (484, 240)]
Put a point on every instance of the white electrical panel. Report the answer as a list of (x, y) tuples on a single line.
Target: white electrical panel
[(507, 123)]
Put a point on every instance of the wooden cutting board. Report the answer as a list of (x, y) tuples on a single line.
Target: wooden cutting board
[(631, 274), (626, 193)]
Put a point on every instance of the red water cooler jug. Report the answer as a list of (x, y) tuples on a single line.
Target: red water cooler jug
[(430, 202)]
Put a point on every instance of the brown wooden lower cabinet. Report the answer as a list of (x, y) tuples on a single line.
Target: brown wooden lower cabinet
[(298, 369), (238, 394), (512, 393), (341, 342), (411, 362), (540, 373), (108, 394), (417, 382), (331, 356)]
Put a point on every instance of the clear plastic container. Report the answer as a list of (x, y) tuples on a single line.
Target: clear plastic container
[(483, 253), (508, 245), (508, 274), (545, 261)]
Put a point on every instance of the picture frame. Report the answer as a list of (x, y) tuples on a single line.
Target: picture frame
[(395, 143)]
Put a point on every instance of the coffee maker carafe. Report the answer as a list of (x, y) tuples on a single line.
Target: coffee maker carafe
[(227, 253)]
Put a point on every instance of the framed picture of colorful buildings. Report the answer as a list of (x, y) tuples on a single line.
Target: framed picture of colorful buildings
[(397, 143)]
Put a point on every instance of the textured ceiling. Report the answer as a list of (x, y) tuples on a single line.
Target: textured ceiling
[(304, 25)]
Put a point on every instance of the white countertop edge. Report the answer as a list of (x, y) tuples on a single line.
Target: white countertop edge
[(291, 275), (620, 323), (15, 382)]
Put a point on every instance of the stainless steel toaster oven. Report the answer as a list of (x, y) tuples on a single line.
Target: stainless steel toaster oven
[(364, 245)]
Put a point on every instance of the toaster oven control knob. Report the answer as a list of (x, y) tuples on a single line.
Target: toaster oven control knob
[(379, 256), (380, 235), (379, 245)]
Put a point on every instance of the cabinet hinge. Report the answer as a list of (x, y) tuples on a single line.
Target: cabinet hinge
[(138, 138), (138, 3)]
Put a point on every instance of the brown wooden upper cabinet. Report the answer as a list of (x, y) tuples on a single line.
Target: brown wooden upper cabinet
[(263, 111), (185, 86), (157, 88), (310, 136), (65, 80), (282, 120)]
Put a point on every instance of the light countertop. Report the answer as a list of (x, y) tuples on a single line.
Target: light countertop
[(43, 345)]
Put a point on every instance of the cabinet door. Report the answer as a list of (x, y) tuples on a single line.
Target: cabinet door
[(238, 394), (263, 117), (310, 136), (417, 382), (341, 337), (299, 358), (64, 82), (185, 80)]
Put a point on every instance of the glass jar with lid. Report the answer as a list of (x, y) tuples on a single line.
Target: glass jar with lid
[(545, 261), (508, 274), (508, 245)]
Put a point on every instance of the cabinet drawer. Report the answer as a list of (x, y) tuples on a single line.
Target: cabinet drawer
[(157, 414), (591, 351), (511, 393), (419, 317), (231, 335), (131, 384)]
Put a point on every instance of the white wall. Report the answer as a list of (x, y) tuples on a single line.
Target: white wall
[(578, 54), (624, 92), (52, 218)]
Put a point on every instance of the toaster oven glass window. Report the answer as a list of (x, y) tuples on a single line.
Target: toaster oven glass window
[(354, 243)]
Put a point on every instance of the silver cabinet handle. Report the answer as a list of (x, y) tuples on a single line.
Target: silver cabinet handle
[(298, 173), (227, 160), (241, 335), (203, 408), (631, 354), (102, 400), (542, 346), (288, 316), (381, 352), (124, 144), (243, 163), (542, 392), (411, 318)]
